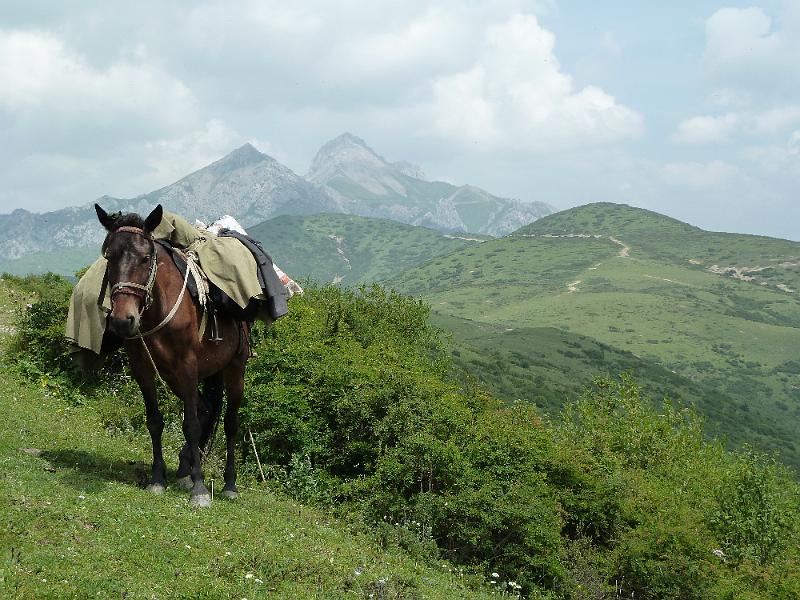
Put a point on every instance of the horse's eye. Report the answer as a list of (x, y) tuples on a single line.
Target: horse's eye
[(146, 258)]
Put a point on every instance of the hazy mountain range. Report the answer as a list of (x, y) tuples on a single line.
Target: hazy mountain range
[(346, 176)]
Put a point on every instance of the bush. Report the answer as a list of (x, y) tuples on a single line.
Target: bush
[(356, 382)]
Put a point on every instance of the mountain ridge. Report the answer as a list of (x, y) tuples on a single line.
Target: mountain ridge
[(255, 187), (369, 185)]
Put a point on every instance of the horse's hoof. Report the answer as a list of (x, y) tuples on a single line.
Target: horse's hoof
[(230, 494), (201, 500), (155, 488), (185, 483)]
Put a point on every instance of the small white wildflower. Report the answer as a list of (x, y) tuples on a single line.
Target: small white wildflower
[(495, 575), (358, 571), (248, 576), (718, 553), (188, 547), (257, 580), (81, 497), (227, 554)]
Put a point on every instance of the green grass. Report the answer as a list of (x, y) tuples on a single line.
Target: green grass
[(732, 342)]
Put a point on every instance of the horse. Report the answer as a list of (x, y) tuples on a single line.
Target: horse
[(160, 326)]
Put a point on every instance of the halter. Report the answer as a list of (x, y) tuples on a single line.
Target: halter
[(143, 292)]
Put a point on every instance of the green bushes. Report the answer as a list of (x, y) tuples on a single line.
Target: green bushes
[(362, 393), (40, 325), (692, 521)]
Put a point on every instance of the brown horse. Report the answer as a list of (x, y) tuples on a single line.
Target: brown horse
[(146, 288)]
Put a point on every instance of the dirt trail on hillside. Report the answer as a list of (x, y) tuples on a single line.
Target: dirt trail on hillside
[(625, 250), (337, 279)]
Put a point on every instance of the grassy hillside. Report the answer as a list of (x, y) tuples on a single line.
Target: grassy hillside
[(63, 262), (350, 249), (625, 285), (351, 408), (766, 260), (76, 523), (325, 247)]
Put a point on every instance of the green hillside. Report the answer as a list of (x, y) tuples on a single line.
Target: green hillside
[(766, 260), (618, 275), (64, 262), (324, 247), (348, 249)]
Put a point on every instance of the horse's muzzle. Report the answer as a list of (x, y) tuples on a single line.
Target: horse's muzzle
[(124, 327)]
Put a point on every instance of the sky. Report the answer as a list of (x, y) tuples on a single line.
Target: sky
[(690, 108)]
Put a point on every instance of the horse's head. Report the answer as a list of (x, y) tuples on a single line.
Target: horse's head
[(131, 254)]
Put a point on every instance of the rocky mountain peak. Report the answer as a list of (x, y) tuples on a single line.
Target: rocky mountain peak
[(343, 152), (241, 157)]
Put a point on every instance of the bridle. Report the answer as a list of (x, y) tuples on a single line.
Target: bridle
[(131, 288)]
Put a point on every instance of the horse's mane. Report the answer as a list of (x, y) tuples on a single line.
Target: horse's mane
[(128, 220)]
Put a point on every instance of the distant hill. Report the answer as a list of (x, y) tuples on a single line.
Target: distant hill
[(347, 249), (720, 311), (366, 184), (759, 259)]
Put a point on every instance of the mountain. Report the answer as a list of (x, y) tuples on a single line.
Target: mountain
[(245, 183), (346, 177), (347, 249), (721, 312), (364, 183)]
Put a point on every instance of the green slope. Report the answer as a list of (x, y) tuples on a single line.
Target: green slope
[(64, 262), (766, 260), (735, 340), (350, 249), (325, 247)]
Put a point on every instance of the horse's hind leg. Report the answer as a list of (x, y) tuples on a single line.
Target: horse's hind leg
[(234, 387), (208, 414), (184, 384)]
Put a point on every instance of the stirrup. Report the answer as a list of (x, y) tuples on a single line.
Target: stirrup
[(215, 329)]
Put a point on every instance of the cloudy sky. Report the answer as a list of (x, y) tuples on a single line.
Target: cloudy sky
[(690, 107)]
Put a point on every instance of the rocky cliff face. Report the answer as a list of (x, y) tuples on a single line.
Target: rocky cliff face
[(365, 183)]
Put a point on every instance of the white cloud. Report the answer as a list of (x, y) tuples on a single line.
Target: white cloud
[(45, 88), (516, 95), (744, 51), (699, 175), (705, 130), (709, 129)]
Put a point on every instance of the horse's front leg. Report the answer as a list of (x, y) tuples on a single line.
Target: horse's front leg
[(155, 425)]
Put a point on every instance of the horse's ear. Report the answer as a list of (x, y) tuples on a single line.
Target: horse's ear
[(102, 215), (153, 219)]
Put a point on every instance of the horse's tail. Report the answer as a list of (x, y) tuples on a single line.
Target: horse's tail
[(211, 409)]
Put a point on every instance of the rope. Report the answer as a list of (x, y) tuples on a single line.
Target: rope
[(258, 461), (171, 313)]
